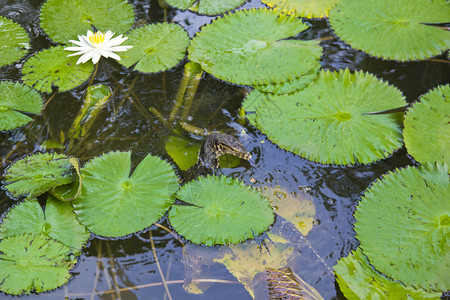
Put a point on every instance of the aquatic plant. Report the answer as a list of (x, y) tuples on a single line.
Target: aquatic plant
[(208, 7), (303, 8), (14, 41)]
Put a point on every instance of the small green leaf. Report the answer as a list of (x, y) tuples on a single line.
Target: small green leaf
[(15, 101), (183, 152), (36, 174), (303, 8), (63, 20), (221, 210), (52, 67), (156, 47), (208, 7), (33, 263), (13, 41), (68, 192)]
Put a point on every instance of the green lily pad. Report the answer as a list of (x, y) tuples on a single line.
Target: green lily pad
[(399, 30), (14, 41), (33, 263), (303, 8), (207, 7), (403, 224), (358, 280), (52, 67), (221, 210), (58, 222), (326, 121), (427, 127), (156, 47), (183, 152), (62, 25), (113, 203), (260, 54), (17, 99), (36, 174)]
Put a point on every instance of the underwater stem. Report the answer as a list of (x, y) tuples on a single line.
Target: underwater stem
[(159, 267)]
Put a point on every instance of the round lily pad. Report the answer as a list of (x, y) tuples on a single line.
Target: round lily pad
[(207, 7), (221, 210), (393, 29), (13, 41), (403, 224), (33, 263), (326, 121), (358, 280), (113, 203), (52, 67), (15, 101), (58, 222), (156, 47), (427, 127), (36, 174), (260, 54), (303, 8), (63, 20)]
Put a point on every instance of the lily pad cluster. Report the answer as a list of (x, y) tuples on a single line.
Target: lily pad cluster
[(207, 7)]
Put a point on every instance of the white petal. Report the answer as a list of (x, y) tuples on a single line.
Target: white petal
[(84, 58), (116, 41), (89, 33), (74, 48), (86, 41), (75, 42), (112, 55), (108, 36), (118, 48), (77, 53), (96, 57)]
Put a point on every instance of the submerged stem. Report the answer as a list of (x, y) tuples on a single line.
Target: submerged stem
[(159, 267)]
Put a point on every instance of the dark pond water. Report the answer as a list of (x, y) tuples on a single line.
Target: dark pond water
[(107, 267)]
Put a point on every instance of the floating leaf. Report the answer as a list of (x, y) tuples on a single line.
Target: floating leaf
[(13, 41), (427, 127), (59, 222), (303, 8), (183, 152), (68, 192), (221, 210), (114, 203), (403, 226), (208, 7), (52, 67), (15, 101), (358, 280), (156, 47), (33, 263), (393, 29), (62, 25), (258, 55), (326, 121), (36, 174)]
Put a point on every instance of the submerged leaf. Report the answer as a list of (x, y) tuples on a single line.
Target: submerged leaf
[(258, 55), (208, 7), (400, 30), (183, 152), (403, 224), (36, 174), (114, 203), (326, 121), (15, 101), (33, 263), (427, 127), (52, 67), (221, 210), (156, 47), (63, 20), (303, 8), (13, 41), (357, 280)]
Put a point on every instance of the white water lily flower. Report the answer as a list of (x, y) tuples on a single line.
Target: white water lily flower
[(96, 45)]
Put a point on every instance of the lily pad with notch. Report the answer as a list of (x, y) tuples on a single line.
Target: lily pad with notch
[(14, 41), (113, 202), (207, 7), (303, 8), (17, 101)]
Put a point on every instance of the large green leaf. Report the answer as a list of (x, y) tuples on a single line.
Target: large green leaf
[(260, 54), (403, 224), (156, 47), (113, 203), (63, 20), (36, 174), (52, 67), (326, 121), (221, 210), (358, 280), (303, 8), (13, 41), (208, 7), (399, 29), (15, 101), (33, 263), (427, 127), (59, 222)]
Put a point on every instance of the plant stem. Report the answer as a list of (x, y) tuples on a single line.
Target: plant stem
[(159, 267)]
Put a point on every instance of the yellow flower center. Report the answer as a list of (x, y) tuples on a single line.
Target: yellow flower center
[(97, 38)]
